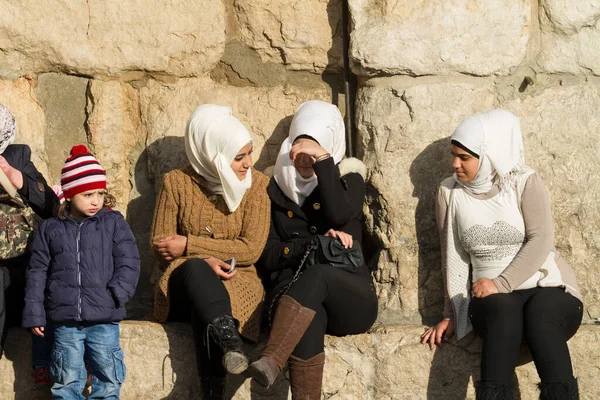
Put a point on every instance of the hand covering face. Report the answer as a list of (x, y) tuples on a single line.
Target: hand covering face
[(321, 121)]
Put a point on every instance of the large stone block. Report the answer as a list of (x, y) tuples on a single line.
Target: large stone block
[(403, 124), (388, 363), (561, 133), (20, 98), (114, 134), (182, 37), (438, 38), (63, 98), (303, 35), (570, 36)]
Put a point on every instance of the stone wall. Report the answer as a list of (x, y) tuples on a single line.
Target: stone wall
[(124, 77), (386, 364)]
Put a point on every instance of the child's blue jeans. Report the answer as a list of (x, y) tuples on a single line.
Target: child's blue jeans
[(98, 345)]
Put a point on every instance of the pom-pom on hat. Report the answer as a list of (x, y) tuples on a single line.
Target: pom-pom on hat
[(82, 172)]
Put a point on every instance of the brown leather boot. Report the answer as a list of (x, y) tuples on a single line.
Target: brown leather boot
[(290, 322), (306, 377)]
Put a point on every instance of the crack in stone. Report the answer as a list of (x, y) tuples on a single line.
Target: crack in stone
[(87, 32), (411, 112)]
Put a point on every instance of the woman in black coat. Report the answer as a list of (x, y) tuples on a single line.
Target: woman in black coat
[(15, 162), (312, 193)]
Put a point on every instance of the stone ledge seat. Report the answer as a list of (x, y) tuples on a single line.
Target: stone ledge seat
[(387, 363)]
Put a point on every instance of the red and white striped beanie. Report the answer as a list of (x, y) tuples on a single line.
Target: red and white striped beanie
[(82, 172)]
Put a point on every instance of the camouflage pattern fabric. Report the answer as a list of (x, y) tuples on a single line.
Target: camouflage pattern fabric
[(17, 223)]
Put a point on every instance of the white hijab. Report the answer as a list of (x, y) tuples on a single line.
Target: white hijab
[(213, 137), (496, 138), (8, 128), (321, 121)]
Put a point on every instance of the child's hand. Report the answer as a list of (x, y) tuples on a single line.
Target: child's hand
[(171, 247), (14, 175), (38, 331)]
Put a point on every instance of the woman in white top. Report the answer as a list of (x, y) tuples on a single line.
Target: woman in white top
[(504, 278)]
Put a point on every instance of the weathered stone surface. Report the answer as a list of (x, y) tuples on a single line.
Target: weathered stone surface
[(63, 99), (242, 66), (20, 98), (404, 124), (386, 364), (182, 37), (570, 36), (445, 37), (113, 133), (561, 140), (303, 35), (266, 112)]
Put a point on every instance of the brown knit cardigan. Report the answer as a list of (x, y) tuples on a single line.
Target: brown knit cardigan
[(185, 207)]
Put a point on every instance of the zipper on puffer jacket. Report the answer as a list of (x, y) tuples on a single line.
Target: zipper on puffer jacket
[(78, 240)]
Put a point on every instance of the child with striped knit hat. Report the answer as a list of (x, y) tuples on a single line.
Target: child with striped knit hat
[(84, 267)]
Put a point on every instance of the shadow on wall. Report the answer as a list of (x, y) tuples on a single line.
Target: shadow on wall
[(23, 384), (427, 171), (156, 159), (270, 150)]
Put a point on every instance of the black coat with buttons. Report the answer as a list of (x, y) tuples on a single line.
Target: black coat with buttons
[(336, 203)]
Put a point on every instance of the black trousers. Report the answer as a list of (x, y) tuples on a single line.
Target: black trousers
[(12, 295), (345, 304), (12, 301), (544, 317), (198, 295)]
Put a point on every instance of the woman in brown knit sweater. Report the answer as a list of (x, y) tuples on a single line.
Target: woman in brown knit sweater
[(210, 226)]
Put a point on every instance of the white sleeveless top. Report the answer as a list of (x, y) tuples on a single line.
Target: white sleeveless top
[(492, 232)]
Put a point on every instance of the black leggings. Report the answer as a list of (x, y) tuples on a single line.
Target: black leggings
[(345, 304), (196, 293), (545, 317)]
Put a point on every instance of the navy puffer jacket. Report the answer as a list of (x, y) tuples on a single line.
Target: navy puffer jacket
[(83, 271)]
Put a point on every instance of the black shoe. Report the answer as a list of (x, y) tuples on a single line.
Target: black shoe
[(224, 332), (212, 387)]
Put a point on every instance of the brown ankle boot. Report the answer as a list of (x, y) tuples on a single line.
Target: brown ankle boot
[(290, 322), (306, 377)]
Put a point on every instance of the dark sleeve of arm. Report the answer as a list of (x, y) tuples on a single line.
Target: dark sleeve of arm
[(274, 258), (539, 231), (341, 198), (35, 191), (127, 263), (34, 313)]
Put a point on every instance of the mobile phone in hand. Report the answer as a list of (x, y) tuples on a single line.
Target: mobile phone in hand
[(231, 262)]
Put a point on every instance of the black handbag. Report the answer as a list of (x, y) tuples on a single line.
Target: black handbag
[(331, 251), (322, 250)]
